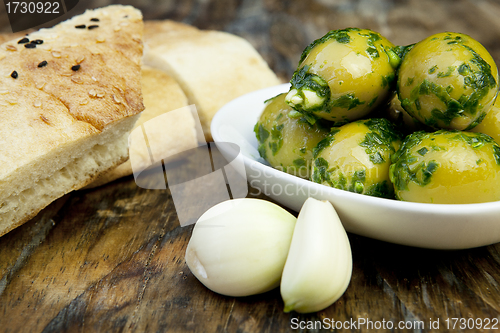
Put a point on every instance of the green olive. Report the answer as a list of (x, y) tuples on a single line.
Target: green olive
[(286, 139), (356, 157), (448, 81), (449, 167), (491, 123), (344, 75)]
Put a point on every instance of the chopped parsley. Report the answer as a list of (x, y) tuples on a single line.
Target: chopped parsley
[(326, 142), (379, 141), (347, 101)]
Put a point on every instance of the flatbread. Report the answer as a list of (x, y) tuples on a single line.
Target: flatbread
[(69, 98), (161, 94), (212, 67)]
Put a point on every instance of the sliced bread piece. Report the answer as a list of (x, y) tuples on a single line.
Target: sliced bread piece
[(161, 94), (69, 96), (212, 67)]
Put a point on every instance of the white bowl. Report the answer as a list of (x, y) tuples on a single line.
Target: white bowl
[(436, 226)]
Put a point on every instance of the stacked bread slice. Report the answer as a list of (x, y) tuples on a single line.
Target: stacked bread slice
[(185, 65), (69, 96), (212, 67), (161, 95)]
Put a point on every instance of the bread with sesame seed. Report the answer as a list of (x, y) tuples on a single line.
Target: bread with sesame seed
[(68, 99)]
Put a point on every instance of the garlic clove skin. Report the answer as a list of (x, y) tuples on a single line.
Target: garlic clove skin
[(319, 264), (239, 247)]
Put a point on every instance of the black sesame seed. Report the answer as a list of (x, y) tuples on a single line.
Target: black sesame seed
[(37, 41), (94, 19), (126, 16), (81, 26), (75, 68), (23, 41), (93, 26), (42, 64), (14, 75), (30, 46)]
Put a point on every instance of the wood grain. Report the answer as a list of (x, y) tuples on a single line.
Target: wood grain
[(111, 259)]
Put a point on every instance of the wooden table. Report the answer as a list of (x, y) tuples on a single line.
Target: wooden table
[(112, 258)]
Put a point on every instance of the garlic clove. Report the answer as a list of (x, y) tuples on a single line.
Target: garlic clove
[(319, 264), (239, 247)]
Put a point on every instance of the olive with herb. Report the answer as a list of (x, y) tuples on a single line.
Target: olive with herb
[(344, 75), (448, 81), (447, 167), (356, 157), (286, 139)]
